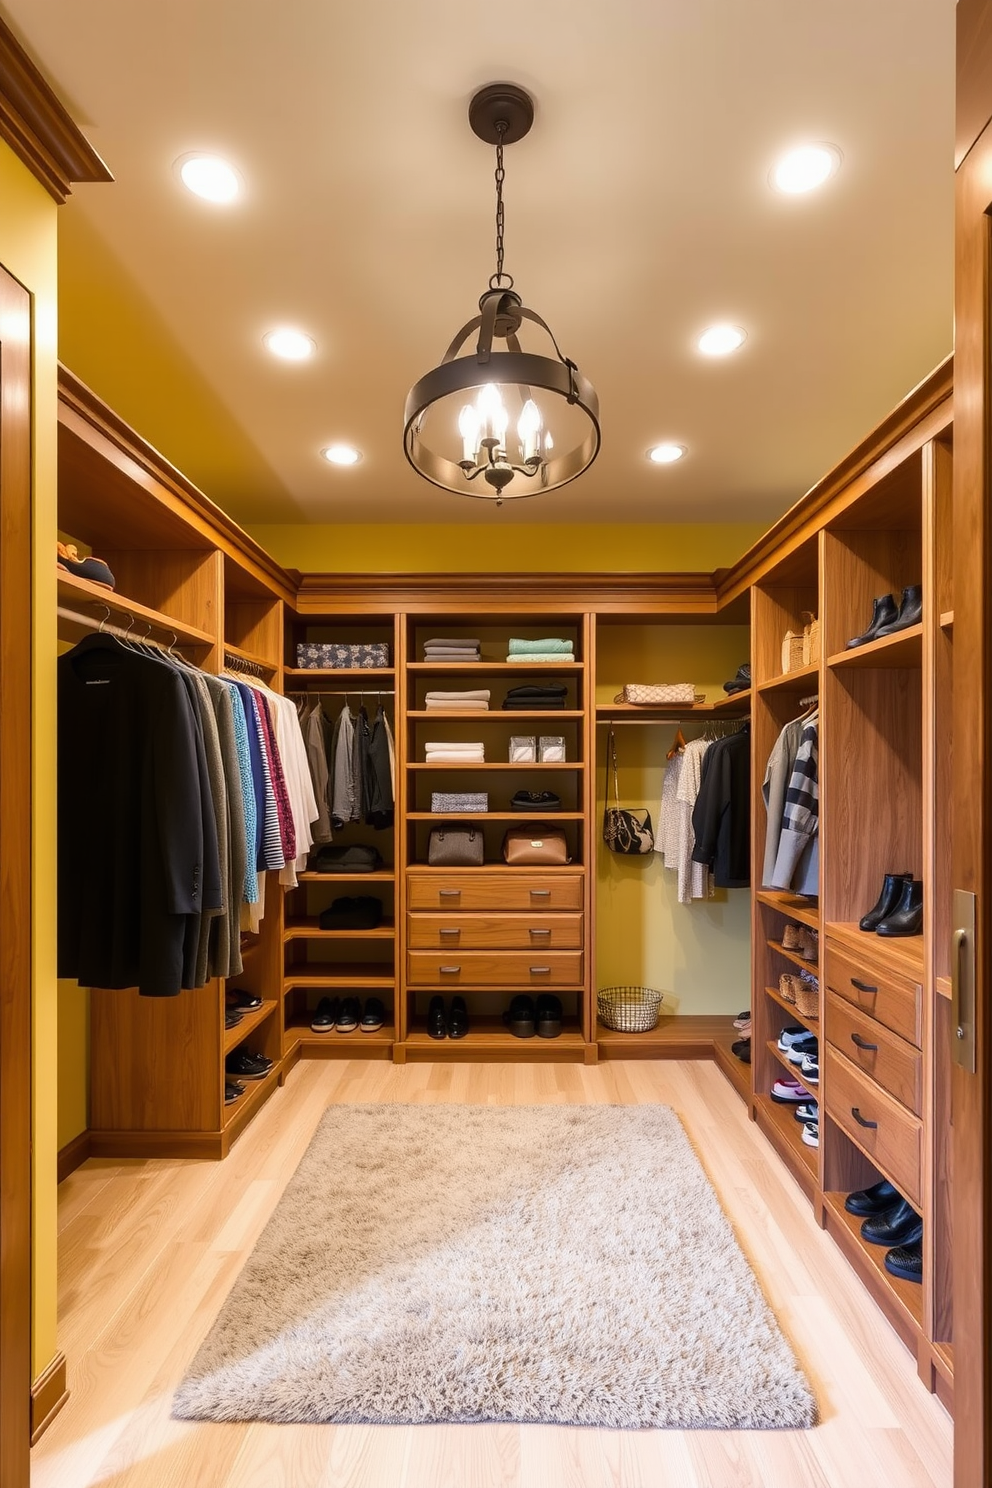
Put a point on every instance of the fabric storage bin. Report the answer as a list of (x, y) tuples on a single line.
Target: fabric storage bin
[(342, 654), (459, 800), (551, 749), (523, 749)]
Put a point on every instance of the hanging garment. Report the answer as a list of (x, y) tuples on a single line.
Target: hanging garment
[(797, 865), (721, 817), (666, 841), (342, 773), (380, 795), (299, 788), (284, 811), (248, 796), (363, 744), (778, 772), (694, 879), (226, 962), (272, 851), (317, 735)]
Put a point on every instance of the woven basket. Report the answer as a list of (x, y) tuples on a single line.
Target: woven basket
[(792, 651), (629, 1009), (807, 990), (788, 986), (811, 639)]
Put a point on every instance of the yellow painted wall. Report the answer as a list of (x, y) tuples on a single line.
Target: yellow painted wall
[(544, 548), (29, 251), (696, 954)]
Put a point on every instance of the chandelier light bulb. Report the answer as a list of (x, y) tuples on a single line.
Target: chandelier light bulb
[(529, 429), (549, 444), (468, 428)]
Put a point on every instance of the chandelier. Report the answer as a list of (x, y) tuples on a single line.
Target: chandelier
[(522, 422)]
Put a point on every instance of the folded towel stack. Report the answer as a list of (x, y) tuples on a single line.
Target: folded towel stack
[(546, 698), (444, 648), (458, 702), (551, 648), (454, 752)]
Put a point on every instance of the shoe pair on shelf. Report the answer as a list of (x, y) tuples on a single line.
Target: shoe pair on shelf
[(450, 1022), (898, 909), (233, 1090), (789, 1092), (242, 1064), (237, 1002), (890, 1220), (889, 617), (345, 1014), (801, 939), (527, 1016), (802, 1049)]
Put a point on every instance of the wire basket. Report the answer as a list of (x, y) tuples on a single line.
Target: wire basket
[(629, 1009)]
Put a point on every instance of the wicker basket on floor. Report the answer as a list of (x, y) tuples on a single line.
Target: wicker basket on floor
[(628, 1009)]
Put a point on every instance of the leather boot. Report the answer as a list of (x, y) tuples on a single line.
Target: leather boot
[(892, 887), (865, 1201), (437, 1025), (884, 612), (907, 917), (898, 1225), (906, 1261), (910, 611)]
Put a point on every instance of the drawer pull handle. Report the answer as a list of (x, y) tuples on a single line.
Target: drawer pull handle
[(862, 986), (540, 893), (537, 931), (540, 971), (860, 1043), (861, 1120), (449, 970), (454, 931), (449, 893)]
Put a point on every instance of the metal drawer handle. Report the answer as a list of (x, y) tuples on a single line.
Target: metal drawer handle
[(454, 931), (449, 970), (862, 986), (541, 893), (540, 971), (537, 931), (449, 893), (861, 1120), (859, 1041)]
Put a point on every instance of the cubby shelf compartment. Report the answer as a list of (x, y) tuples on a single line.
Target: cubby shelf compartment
[(690, 1037), (785, 1133), (249, 1022), (904, 649), (793, 956), (797, 908), (672, 712), (379, 1045), (73, 591), (903, 1299), (812, 1024), (489, 1040), (903, 954), (501, 715), (802, 680), (311, 930), (338, 975)]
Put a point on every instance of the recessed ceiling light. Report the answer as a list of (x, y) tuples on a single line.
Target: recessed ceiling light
[(721, 340), (292, 346), (210, 177), (666, 454), (342, 454), (805, 168)]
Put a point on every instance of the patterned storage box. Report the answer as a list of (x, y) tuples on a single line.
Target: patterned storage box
[(459, 801), (344, 654)]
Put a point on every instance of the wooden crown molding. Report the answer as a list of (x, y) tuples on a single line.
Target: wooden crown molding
[(37, 127), (643, 593)]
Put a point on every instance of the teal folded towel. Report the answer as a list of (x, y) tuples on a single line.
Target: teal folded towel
[(540, 648)]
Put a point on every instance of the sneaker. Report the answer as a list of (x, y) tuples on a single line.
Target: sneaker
[(232, 1018), (349, 1015), (811, 1133), (810, 1069), (743, 1018), (326, 1015), (233, 1090), (791, 1035), (798, 1051), (247, 1066), (786, 1092), (809, 1110)]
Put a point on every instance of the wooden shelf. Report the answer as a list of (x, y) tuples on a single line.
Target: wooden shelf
[(813, 1024), (805, 911), (488, 1038), (530, 767), (339, 976), (239, 1113), (381, 875), (869, 1260), (310, 930), (499, 866), (803, 680), (943, 986), (904, 649), (251, 657), (72, 592), (947, 620), (733, 701), (340, 674), (356, 1045), (670, 712), (736, 1071), (792, 1070), (785, 1133), (503, 715), (903, 954), (249, 1022), (545, 817), (794, 957), (494, 668), (689, 1037)]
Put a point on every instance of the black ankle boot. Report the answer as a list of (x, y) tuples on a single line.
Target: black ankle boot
[(910, 611), (907, 917), (437, 1025), (892, 887), (884, 612)]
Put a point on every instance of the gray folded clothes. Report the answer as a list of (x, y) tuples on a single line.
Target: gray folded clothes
[(480, 694), (449, 653), (459, 642)]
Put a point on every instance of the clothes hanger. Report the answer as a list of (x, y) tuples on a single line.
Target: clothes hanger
[(678, 743)]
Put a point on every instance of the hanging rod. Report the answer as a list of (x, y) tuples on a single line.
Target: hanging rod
[(234, 663), (106, 627), (807, 702), (344, 692)]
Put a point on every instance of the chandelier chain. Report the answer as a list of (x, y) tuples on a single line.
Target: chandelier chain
[(496, 281)]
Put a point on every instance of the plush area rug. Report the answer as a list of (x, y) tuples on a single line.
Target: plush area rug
[(445, 1263)]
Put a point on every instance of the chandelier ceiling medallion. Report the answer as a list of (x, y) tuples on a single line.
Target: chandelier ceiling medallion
[(524, 423)]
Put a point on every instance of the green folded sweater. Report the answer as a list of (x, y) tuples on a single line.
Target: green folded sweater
[(548, 647)]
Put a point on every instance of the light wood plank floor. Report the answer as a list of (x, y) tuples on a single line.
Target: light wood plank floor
[(150, 1249)]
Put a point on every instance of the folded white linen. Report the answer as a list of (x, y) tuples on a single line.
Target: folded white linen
[(445, 756), (478, 694)]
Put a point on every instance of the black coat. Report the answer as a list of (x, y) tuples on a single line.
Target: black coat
[(721, 817)]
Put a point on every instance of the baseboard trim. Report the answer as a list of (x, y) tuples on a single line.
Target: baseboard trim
[(73, 1155), (49, 1394)]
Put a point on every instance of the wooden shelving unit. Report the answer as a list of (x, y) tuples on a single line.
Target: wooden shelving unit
[(904, 648), (804, 911), (250, 1022)]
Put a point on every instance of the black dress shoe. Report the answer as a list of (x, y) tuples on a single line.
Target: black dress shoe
[(437, 1025), (887, 900), (373, 1016), (326, 1016), (884, 612), (907, 917), (457, 1018), (910, 611), (349, 1015), (242, 1001), (547, 1015), (244, 1065), (233, 1090), (906, 1261), (898, 1225), (520, 1017), (872, 1200)]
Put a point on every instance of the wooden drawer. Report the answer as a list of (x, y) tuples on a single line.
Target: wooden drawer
[(878, 1053), (517, 971), (497, 932), (886, 996), (474, 890), (895, 1143)]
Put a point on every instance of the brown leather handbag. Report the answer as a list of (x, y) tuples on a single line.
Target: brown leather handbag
[(455, 847), (537, 845)]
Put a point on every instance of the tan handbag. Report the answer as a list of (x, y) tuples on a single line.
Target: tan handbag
[(536, 844), (657, 694)]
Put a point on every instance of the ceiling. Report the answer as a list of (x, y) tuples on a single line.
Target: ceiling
[(638, 213)]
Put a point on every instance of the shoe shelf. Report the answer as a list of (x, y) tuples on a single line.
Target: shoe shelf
[(736, 1071), (813, 1024), (793, 1070), (532, 768), (489, 1040), (902, 1299), (381, 875), (805, 911), (785, 1133), (903, 954), (734, 702), (672, 712), (237, 1115), (73, 591), (462, 817), (310, 930), (904, 649), (249, 1022), (689, 1037), (794, 956), (802, 680), (299, 1036), (338, 975), (251, 657), (352, 675), (501, 715)]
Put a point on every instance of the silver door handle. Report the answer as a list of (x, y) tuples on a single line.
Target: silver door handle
[(536, 931), (963, 981)]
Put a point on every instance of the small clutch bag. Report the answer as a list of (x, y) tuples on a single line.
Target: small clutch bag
[(536, 844)]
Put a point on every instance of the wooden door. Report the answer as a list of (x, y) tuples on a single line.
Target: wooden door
[(972, 735), (15, 878)]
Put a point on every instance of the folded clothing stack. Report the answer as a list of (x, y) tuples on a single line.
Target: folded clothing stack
[(551, 648), (455, 753), (443, 648), (547, 697), (458, 702)]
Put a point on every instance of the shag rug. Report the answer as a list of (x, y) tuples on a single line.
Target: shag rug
[(444, 1263)]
